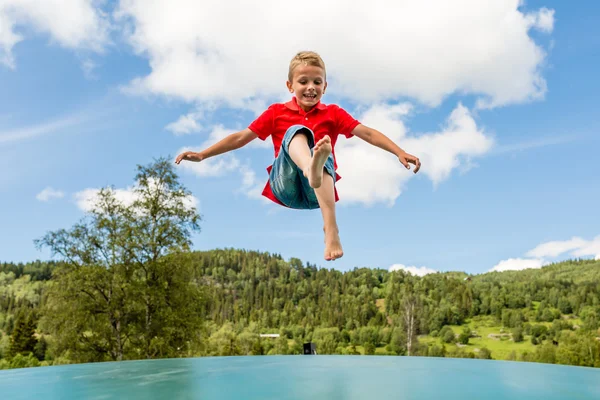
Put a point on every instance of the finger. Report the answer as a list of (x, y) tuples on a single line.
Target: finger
[(405, 163), (418, 165)]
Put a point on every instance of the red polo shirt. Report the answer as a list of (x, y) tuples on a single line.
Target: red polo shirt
[(322, 119)]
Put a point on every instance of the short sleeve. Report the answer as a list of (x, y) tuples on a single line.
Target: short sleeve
[(345, 122), (263, 125)]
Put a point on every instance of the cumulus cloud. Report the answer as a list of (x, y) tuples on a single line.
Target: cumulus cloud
[(517, 264), (214, 166), (228, 163), (540, 255), (73, 24), (374, 51), (576, 247), (185, 124), (418, 271), (371, 175), (252, 187), (49, 193), (8, 39), (542, 20), (87, 198)]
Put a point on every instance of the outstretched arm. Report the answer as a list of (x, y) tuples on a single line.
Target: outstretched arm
[(378, 139), (229, 143)]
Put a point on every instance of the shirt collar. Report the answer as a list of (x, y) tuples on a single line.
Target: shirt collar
[(293, 105)]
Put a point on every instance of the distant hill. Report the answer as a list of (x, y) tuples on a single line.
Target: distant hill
[(551, 314), (577, 271)]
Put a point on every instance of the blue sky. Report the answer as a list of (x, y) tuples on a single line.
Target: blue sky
[(502, 109)]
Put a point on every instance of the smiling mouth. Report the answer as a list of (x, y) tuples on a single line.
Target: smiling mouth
[(310, 96)]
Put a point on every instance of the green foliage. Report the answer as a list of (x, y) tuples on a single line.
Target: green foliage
[(369, 349), (437, 351), (517, 335), (484, 354), (127, 288), (20, 361), (463, 338), (447, 335), (23, 340)]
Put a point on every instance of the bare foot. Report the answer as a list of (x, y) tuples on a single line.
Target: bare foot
[(333, 245), (315, 170)]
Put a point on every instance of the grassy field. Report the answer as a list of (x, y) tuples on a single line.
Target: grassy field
[(483, 327), (489, 334)]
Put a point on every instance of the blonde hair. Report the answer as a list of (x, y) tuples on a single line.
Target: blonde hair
[(305, 58)]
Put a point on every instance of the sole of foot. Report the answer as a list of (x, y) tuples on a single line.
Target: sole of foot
[(333, 247), (320, 153)]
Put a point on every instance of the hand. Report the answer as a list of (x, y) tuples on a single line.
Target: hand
[(188, 156), (406, 158)]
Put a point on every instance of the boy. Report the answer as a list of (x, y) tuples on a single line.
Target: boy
[(304, 132)]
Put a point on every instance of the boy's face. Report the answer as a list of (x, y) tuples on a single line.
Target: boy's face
[(308, 85)]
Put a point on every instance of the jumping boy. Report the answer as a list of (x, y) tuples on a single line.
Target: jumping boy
[(304, 132)]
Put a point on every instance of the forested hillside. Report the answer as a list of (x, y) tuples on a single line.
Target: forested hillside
[(127, 286), (553, 312)]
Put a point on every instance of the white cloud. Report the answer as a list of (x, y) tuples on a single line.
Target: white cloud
[(542, 20), (87, 198), (517, 264), (371, 175), (556, 248), (49, 193), (215, 166), (418, 271), (590, 248), (576, 247), (185, 124), (424, 50), (73, 24), (8, 39), (226, 163), (251, 186)]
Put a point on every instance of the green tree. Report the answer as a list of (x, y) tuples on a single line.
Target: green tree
[(484, 354), (464, 336), (447, 335), (23, 340), (437, 351), (517, 335), (369, 349), (122, 292)]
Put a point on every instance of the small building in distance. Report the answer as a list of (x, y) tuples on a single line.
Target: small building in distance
[(269, 335)]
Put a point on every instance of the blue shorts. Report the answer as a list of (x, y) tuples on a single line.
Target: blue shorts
[(287, 180)]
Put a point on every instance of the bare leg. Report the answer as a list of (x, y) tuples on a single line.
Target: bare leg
[(326, 198), (313, 170)]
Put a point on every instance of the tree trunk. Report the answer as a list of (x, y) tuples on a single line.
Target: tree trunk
[(409, 322), (118, 351), (148, 332)]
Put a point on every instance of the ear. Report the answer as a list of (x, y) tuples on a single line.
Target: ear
[(325, 87), (289, 86)]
